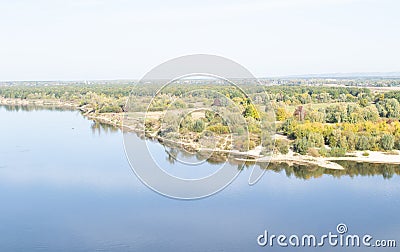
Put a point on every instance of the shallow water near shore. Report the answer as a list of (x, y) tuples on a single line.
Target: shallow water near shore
[(66, 185)]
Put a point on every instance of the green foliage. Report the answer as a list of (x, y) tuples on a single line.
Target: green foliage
[(349, 118), (251, 111), (337, 152), (392, 107), (198, 125), (362, 142), (209, 115), (282, 146), (323, 151), (363, 102), (387, 142), (219, 129), (301, 146), (389, 108), (281, 114), (315, 139), (289, 127)]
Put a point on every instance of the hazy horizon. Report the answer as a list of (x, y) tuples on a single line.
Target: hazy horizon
[(386, 75), (106, 40)]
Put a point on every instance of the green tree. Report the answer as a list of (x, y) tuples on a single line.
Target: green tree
[(362, 143), (387, 142), (282, 146), (281, 114), (301, 146), (393, 108), (251, 111), (363, 102)]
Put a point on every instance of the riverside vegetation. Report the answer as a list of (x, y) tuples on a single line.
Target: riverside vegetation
[(311, 120)]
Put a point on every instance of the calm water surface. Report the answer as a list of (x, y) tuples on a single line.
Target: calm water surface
[(65, 185)]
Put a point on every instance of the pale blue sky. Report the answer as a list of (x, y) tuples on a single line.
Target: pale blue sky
[(121, 39)]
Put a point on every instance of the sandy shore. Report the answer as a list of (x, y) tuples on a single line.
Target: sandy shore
[(373, 157)]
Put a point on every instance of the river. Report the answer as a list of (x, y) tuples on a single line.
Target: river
[(66, 185)]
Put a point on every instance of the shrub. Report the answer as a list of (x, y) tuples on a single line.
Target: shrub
[(313, 152), (198, 125), (387, 142), (362, 143), (337, 152), (301, 146), (281, 114), (324, 151), (315, 139), (219, 128), (365, 154), (282, 146)]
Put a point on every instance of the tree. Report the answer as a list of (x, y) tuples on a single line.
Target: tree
[(393, 108), (282, 146), (281, 114), (363, 102), (301, 146), (315, 139), (380, 106), (387, 142), (300, 113), (362, 143), (251, 111), (315, 116)]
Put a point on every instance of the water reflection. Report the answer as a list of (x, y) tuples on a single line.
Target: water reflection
[(32, 107), (352, 168), (99, 128)]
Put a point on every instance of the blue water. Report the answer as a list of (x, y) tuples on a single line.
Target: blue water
[(65, 185)]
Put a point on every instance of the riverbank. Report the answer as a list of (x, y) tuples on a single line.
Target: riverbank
[(116, 119), (43, 103), (329, 162)]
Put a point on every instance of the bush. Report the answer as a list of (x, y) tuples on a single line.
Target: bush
[(315, 139), (387, 142), (365, 154), (198, 125), (301, 146), (362, 143), (313, 152), (337, 152), (324, 151), (397, 143), (282, 146), (219, 128), (281, 114)]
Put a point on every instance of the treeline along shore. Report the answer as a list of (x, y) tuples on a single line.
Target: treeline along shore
[(315, 125)]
